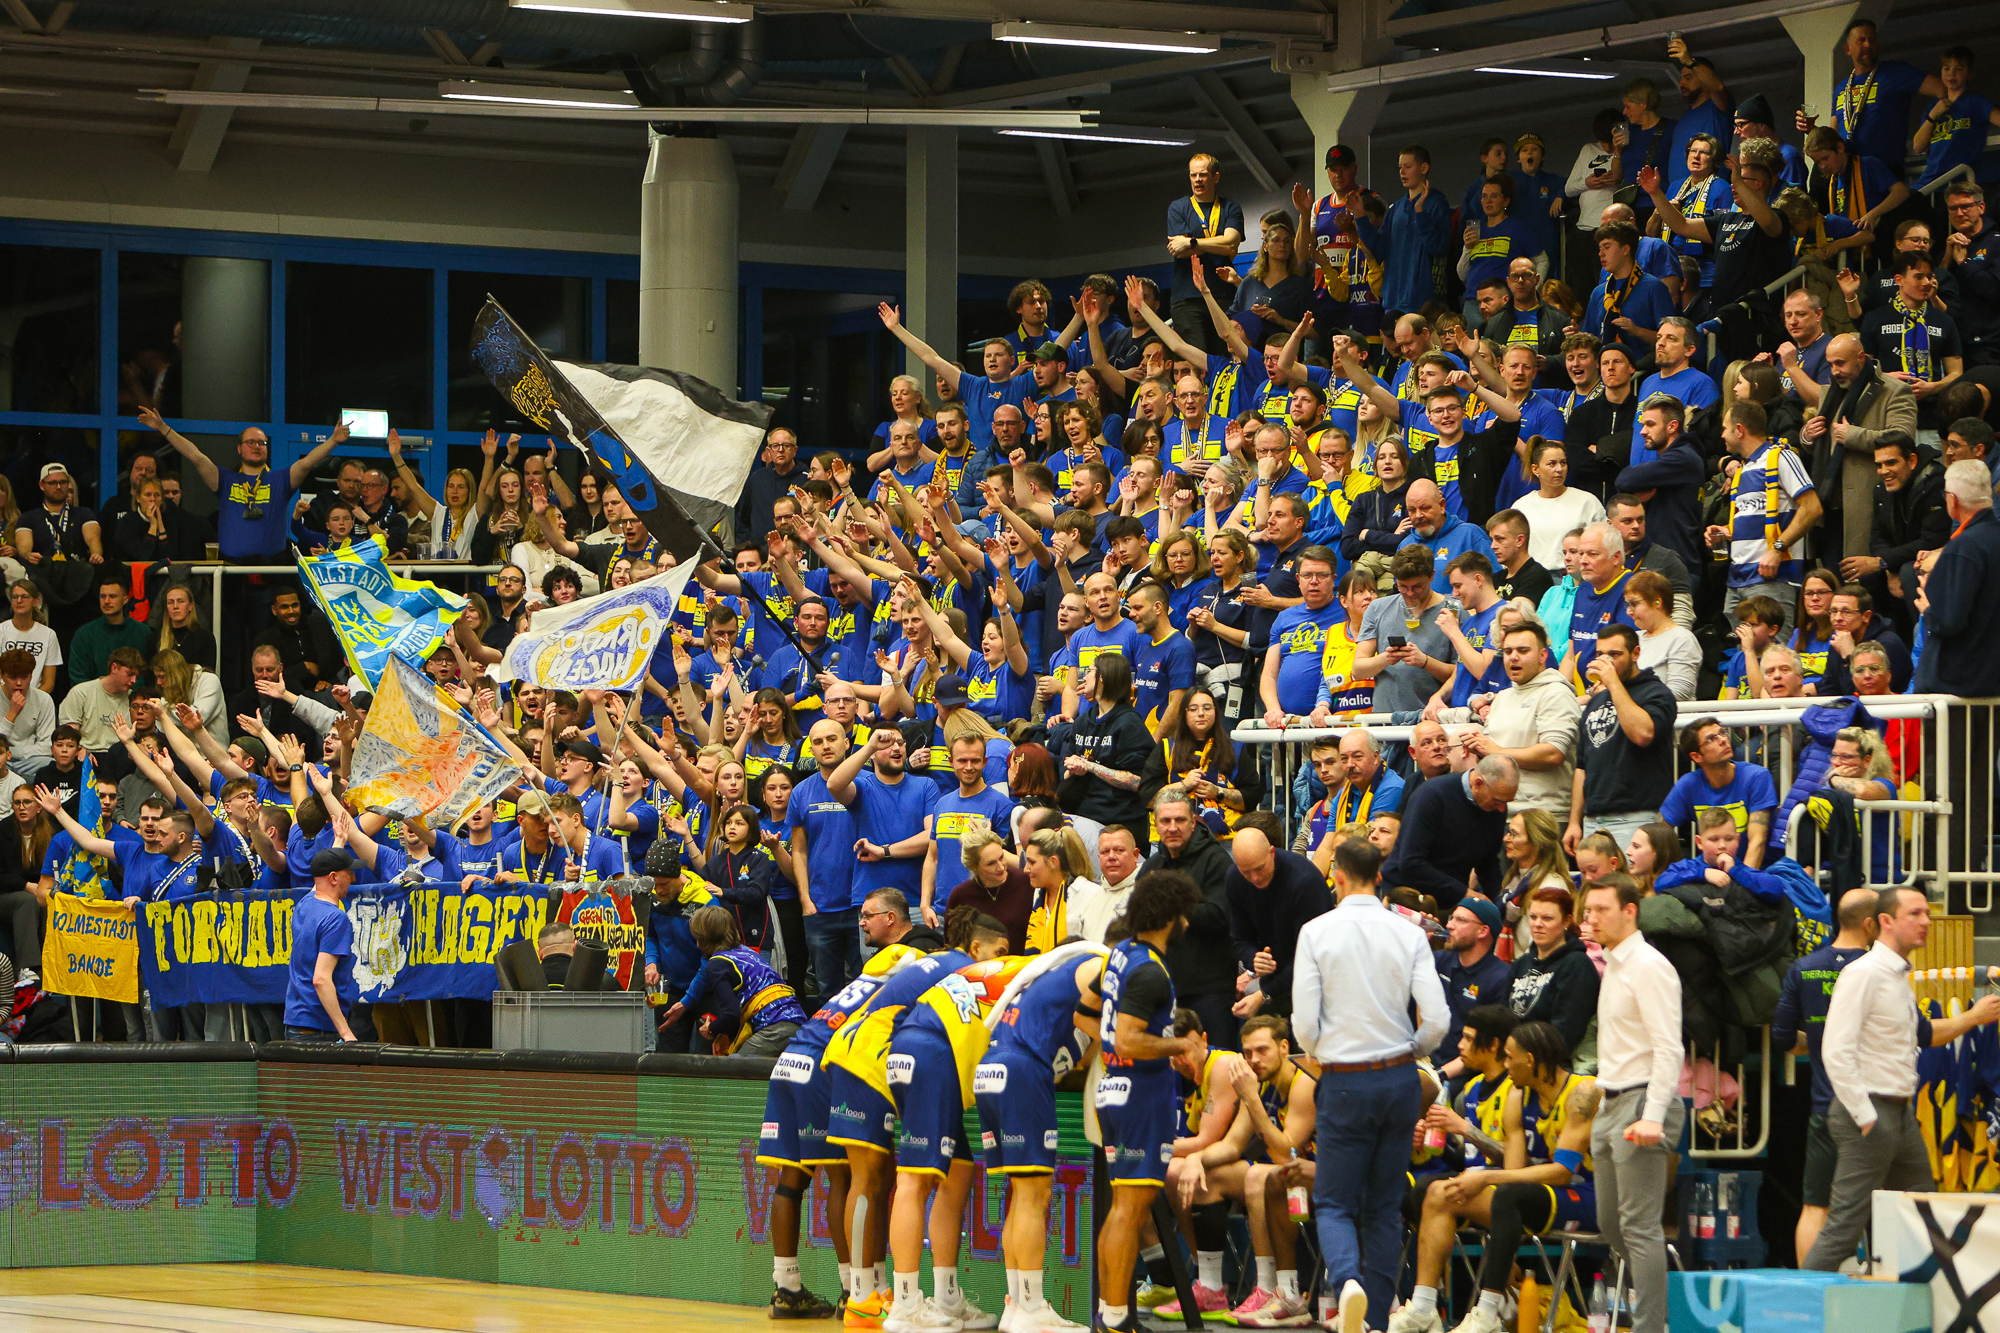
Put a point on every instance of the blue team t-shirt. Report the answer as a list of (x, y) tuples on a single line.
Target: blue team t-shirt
[(951, 820), (270, 493), (1593, 612), (1158, 669), (830, 836), (885, 813), (318, 927), (1477, 626), (1691, 386), (1298, 636), (1749, 789)]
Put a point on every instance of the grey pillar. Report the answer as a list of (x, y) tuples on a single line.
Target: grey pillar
[(931, 244), (687, 260), (225, 338)]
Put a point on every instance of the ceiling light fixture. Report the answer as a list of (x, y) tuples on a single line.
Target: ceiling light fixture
[(696, 11), (1117, 39), (1543, 73), (1154, 138), (467, 90)]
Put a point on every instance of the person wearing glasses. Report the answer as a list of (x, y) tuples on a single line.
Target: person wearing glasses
[(1972, 254), (885, 920), (255, 500), (510, 597)]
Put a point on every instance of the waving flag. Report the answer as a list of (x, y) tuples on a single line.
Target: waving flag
[(644, 426), (378, 614), (604, 642), (81, 874), (419, 754)]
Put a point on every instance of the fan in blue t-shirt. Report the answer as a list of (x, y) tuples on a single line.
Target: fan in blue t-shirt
[(1720, 782)]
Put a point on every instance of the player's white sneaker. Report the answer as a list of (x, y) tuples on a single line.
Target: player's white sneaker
[(1044, 1319), (965, 1312), (1278, 1312), (917, 1316), (1406, 1320), (1480, 1320)]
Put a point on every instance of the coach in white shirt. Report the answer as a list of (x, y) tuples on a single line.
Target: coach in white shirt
[(1870, 1057), (1359, 970), (1639, 1074)]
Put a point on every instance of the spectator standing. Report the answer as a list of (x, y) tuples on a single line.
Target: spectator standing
[(823, 834), (1645, 136), (1401, 646), (1471, 972), (1538, 203), (1909, 518), (1453, 830), (1534, 722), (892, 814), (1962, 635), (1639, 1120), (320, 992), (1871, 106), (1593, 181), (1291, 679), (1554, 507), (1412, 238), (1859, 409), (1273, 894), (1366, 1003), (255, 500), (1953, 131), (1664, 494), (1204, 229), (1600, 596), (1912, 338), (1710, 110), (778, 472), (1106, 752), (1202, 962), (1118, 861), (1972, 253), (1625, 761), (60, 542), (1664, 647), (1628, 304), (1516, 572)]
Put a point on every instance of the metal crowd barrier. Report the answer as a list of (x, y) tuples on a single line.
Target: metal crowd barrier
[(218, 574)]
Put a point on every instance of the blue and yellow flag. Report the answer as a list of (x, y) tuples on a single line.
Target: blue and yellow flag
[(84, 875), (420, 754), (378, 613)]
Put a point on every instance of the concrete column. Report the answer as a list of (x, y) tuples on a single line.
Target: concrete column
[(687, 260), (1817, 34), (1347, 117), (225, 338), (930, 211)]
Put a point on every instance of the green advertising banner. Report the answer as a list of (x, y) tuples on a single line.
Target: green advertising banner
[(641, 1185)]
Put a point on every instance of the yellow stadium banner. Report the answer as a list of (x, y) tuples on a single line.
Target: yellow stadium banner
[(92, 949)]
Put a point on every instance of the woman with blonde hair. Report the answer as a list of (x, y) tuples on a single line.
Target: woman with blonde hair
[(455, 518), (906, 403), (181, 682), (1277, 287), (1057, 866), (183, 629), (1532, 844)]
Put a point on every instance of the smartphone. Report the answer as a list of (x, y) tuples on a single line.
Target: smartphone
[(1397, 641), (363, 424)]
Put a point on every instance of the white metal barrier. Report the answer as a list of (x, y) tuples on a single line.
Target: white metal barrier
[(219, 574)]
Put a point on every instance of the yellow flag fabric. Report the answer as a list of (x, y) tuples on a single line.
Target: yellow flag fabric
[(92, 948), (419, 754)]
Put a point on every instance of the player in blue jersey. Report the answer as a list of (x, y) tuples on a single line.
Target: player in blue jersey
[(1137, 1100), (793, 1138), (1049, 1029)]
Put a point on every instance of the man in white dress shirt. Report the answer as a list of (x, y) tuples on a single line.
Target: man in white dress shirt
[(1869, 1053), (1359, 971), (1639, 1075)]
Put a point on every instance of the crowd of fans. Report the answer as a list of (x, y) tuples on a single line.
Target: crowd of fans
[(1475, 469)]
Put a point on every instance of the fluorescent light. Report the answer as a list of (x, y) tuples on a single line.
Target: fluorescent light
[(701, 11), (466, 90), (1120, 39), (1158, 138), (1541, 73)]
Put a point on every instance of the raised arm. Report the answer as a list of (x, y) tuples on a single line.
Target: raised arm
[(892, 320), (1135, 301), (1226, 328), (411, 482), (204, 466), (85, 840), (302, 469)]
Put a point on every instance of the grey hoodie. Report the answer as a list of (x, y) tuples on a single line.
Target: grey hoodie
[(1545, 709)]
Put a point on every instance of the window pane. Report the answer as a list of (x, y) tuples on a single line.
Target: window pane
[(24, 450), (551, 311), (827, 365), (621, 319), (194, 336), (48, 329), (360, 337)]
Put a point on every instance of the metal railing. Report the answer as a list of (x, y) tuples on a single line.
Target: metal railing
[(1731, 1142), (218, 575), (1943, 831)]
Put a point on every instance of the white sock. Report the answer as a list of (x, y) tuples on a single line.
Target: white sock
[(907, 1288), (946, 1280), (1267, 1272), (858, 1289), (1014, 1287), (1423, 1301), (1489, 1301), (1288, 1283), (1208, 1267), (846, 1277), (785, 1273), (878, 1278), (1031, 1290), (1114, 1316)]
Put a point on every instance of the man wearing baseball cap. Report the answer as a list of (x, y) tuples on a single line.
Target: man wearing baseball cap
[(1342, 262), (55, 539), (320, 992), (1467, 965)]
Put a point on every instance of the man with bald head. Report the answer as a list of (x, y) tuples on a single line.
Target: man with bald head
[(1859, 411), (1443, 534), (823, 833), (1452, 831), (1272, 894)]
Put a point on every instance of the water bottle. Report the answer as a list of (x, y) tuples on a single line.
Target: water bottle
[(1704, 1207), (1600, 1307), (1296, 1202), (1434, 1134)]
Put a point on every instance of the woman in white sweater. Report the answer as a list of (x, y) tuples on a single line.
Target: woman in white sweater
[(1554, 507), (1673, 653)]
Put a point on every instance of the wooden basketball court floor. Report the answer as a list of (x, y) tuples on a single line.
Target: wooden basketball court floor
[(270, 1298)]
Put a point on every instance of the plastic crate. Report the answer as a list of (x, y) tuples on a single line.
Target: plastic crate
[(555, 1020)]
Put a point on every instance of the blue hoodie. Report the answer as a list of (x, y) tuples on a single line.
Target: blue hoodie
[(1452, 540)]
